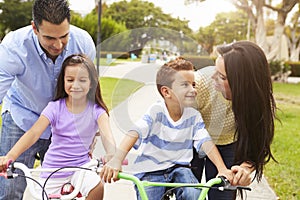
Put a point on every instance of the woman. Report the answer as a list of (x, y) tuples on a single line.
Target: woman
[(245, 126)]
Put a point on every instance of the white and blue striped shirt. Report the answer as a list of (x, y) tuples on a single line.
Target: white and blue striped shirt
[(163, 142)]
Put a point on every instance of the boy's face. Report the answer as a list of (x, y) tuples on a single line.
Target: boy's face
[(183, 88)]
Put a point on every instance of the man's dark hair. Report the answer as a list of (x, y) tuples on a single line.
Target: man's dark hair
[(53, 11)]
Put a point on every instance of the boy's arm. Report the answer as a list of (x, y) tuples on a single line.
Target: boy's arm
[(214, 155), (112, 168), (107, 138)]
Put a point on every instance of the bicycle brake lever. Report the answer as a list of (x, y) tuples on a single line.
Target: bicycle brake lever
[(10, 170), (243, 188), (225, 181), (227, 186)]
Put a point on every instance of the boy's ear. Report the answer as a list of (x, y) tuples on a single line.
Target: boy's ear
[(165, 91)]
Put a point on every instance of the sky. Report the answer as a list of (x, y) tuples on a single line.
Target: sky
[(199, 14)]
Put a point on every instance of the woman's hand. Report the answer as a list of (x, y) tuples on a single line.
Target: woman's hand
[(242, 175)]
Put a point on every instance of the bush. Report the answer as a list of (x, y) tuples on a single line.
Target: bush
[(295, 68), (115, 54), (200, 61)]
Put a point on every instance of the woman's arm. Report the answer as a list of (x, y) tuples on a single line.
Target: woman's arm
[(26, 141)]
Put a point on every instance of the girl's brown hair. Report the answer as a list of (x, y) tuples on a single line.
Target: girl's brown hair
[(94, 93)]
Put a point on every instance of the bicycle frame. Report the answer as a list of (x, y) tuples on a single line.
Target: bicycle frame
[(92, 165), (142, 184), (96, 165)]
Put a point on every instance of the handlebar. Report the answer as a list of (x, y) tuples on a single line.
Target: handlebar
[(225, 185), (95, 165)]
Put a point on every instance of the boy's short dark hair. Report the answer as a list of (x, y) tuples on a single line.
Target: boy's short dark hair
[(165, 75), (53, 11)]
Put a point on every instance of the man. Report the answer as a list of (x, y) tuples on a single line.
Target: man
[(30, 61)]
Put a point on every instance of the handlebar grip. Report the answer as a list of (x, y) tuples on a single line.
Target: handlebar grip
[(227, 186), (225, 181), (8, 163)]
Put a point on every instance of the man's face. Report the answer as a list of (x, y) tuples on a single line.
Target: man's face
[(53, 38)]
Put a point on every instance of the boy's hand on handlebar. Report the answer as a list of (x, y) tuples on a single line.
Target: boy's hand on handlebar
[(227, 173), (4, 162), (242, 175), (110, 171)]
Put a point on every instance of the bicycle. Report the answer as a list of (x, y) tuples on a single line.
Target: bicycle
[(96, 165)]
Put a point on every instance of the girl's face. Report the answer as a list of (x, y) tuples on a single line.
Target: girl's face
[(220, 78), (183, 88), (77, 82)]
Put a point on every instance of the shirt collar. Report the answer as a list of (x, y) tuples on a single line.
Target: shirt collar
[(41, 51)]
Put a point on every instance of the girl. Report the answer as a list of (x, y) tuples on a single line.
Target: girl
[(75, 115)]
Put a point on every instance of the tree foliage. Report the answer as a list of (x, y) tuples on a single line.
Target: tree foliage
[(15, 14), (146, 23), (226, 28), (109, 27)]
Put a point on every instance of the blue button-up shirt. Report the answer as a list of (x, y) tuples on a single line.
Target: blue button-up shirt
[(28, 77)]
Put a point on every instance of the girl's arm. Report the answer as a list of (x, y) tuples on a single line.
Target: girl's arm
[(112, 168), (107, 138), (214, 155), (26, 141)]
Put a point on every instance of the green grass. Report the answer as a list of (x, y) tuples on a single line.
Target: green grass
[(114, 90), (283, 176)]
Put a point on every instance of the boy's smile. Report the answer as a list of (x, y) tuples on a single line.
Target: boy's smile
[(183, 88)]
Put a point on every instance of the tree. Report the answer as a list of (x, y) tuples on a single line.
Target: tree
[(226, 28), (282, 11), (109, 27), (15, 14), (293, 33), (146, 23), (255, 12)]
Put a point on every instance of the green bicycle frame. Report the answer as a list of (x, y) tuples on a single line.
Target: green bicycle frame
[(142, 184)]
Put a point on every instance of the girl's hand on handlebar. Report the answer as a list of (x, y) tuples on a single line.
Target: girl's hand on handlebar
[(4, 162), (110, 171), (242, 175)]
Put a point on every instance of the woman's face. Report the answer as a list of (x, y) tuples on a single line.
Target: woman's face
[(220, 78)]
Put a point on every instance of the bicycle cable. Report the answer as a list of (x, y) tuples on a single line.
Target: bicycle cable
[(43, 189), (57, 170)]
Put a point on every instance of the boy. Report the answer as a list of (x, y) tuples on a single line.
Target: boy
[(166, 135)]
